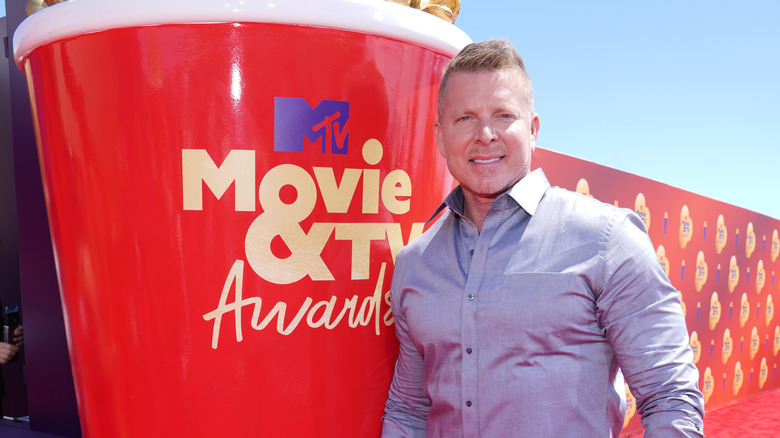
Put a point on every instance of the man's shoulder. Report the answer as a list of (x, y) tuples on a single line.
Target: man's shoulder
[(580, 203), (570, 208)]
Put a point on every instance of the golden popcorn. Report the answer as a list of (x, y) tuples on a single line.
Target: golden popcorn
[(738, 378), (453, 5), (686, 227), (661, 254), (775, 245), (760, 276), (721, 234), (770, 310), (750, 240), (695, 346), (640, 207), (34, 6), (763, 373), (701, 272), (776, 346), (728, 346), (733, 273), (709, 384), (682, 302), (447, 10), (755, 342), (442, 12), (715, 310), (744, 312)]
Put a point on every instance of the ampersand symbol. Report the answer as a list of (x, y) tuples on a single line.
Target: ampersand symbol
[(283, 220)]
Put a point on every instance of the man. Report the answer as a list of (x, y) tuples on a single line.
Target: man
[(517, 310), (9, 351)]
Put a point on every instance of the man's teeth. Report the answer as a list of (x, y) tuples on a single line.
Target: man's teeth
[(492, 160)]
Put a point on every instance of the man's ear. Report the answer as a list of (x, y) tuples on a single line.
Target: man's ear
[(534, 130), (438, 133)]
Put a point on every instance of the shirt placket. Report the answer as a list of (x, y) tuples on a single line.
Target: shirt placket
[(477, 246)]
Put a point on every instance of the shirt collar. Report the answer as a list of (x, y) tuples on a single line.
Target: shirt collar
[(527, 192)]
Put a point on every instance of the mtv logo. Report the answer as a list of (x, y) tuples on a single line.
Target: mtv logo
[(295, 119)]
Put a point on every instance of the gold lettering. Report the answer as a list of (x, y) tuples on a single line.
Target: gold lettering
[(396, 240), (337, 198), (370, 308), (370, 191), (370, 305), (397, 184), (236, 275), (361, 235), (389, 320), (283, 220), (279, 310), (198, 167), (325, 318), (306, 250)]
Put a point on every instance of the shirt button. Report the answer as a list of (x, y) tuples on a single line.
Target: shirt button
[(468, 351), (468, 403), (471, 252), (470, 297)]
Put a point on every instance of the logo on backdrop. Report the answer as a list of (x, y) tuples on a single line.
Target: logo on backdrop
[(750, 240), (296, 122), (640, 207), (722, 234), (686, 227), (278, 249)]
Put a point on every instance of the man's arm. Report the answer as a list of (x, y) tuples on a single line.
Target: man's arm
[(643, 321), (407, 404)]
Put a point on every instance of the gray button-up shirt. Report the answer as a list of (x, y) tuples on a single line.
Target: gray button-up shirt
[(520, 330)]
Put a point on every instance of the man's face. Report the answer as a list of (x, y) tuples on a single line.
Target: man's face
[(486, 132)]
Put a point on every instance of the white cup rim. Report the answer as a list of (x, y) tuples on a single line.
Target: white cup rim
[(374, 17)]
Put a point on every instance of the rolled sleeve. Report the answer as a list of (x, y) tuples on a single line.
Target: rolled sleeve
[(642, 319)]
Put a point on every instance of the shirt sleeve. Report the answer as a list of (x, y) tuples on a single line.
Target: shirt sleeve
[(641, 317), (407, 404)]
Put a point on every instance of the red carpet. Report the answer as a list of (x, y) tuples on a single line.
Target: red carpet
[(757, 417)]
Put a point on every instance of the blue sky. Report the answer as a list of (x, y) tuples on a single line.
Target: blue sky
[(683, 92)]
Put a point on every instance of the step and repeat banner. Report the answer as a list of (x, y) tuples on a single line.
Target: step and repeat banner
[(722, 259)]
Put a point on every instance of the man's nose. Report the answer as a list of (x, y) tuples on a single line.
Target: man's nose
[(487, 133)]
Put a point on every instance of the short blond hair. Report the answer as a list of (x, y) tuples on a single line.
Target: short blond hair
[(486, 56)]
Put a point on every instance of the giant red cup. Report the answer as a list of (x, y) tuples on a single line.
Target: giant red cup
[(227, 185)]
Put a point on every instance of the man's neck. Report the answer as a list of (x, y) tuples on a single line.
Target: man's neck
[(475, 208)]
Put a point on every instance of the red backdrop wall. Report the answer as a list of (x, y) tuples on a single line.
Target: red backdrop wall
[(722, 259)]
